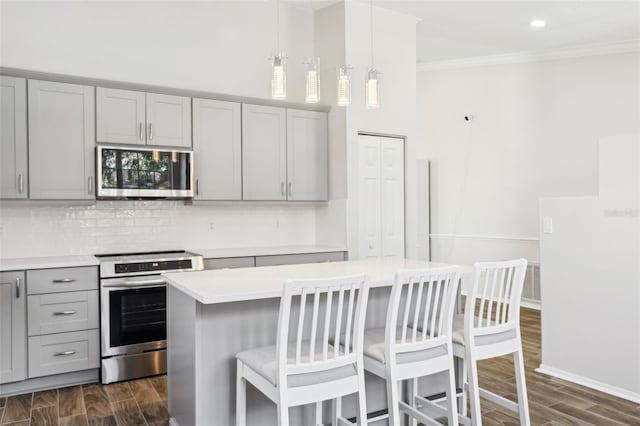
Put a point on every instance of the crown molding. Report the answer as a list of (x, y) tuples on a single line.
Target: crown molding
[(625, 46)]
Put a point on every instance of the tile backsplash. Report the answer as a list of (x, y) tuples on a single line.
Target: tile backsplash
[(30, 229)]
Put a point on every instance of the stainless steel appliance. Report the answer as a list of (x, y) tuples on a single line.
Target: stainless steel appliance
[(133, 311), (144, 172)]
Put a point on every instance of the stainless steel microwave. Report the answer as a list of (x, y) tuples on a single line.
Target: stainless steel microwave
[(144, 172)]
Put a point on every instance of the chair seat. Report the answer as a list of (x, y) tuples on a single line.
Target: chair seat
[(263, 361), (458, 333)]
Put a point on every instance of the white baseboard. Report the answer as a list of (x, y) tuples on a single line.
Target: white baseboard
[(590, 383)]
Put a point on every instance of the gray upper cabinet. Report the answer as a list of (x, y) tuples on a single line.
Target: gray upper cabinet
[(13, 324), (130, 117), (264, 153), (121, 116), (306, 155), (13, 138), (61, 140), (217, 146)]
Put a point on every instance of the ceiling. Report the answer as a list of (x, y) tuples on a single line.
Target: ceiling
[(459, 29)]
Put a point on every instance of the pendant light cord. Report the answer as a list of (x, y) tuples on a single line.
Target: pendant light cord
[(277, 27), (371, 27)]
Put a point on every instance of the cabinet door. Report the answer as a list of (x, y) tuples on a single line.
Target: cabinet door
[(13, 333), (13, 137), (217, 146), (264, 153), (306, 155), (168, 120), (61, 141), (120, 116)]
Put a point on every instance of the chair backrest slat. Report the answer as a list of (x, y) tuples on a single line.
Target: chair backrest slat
[(497, 286), (318, 329), (421, 306)]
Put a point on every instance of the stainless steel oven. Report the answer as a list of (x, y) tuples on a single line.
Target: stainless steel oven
[(144, 172), (133, 305)]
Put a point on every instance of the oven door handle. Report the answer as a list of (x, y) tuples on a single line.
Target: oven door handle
[(130, 284)]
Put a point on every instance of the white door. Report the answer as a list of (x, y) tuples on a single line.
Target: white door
[(380, 197), (120, 116), (13, 137), (306, 155), (168, 120), (61, 141), (217, 149), (264, 153)]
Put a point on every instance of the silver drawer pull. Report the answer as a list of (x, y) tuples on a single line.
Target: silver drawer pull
[(59, 313), (65, 353), (64, 280)]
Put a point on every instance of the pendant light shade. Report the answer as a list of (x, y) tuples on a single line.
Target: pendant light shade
[(344, 86), (279, 77), (372, 89), (313, 81)]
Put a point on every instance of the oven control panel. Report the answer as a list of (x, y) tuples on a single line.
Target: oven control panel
[(141, 267)]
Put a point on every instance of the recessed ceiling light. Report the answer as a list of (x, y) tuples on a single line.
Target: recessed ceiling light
[(538, 23)]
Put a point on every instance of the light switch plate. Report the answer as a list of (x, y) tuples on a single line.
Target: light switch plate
[(547, 225)]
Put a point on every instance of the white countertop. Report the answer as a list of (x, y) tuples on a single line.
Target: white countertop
[(264, 251), (18, 264), (233, 285)]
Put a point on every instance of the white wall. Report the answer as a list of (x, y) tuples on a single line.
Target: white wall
[(212, 46), (217, 46), (534, 135)]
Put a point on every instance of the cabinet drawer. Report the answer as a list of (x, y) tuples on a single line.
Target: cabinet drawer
[(61, 312), (230, 262), (62, 279), (291, 259), (63, 353)]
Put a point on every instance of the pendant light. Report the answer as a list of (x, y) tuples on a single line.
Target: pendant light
[(344, 86), (312, 94), (372, 85), (278, 72)]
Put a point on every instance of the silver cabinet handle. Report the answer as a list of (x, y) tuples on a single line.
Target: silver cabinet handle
[(62, 313), (150, 131), (18, 281), (197, 186), (90, 181), (20, 183), (64, 280), (290, 189), (282, 189), (65, 353), (141, 131)]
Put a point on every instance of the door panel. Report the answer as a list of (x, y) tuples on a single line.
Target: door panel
[(61, 140), (392, 197), (120, 116), (13, 138), (13, 333), (307, 155), (264, 153), (217, 145), (369, 241), (168, 120)]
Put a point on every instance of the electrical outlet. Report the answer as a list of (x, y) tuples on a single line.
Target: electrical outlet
[(212, 226), (278, 222)]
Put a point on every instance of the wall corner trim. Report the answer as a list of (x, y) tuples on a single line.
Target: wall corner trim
[(624, 46), (590, 383)]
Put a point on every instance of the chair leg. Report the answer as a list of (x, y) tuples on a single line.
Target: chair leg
[(241, 396), (523, 403), (318, 413), (283, 414), (465, 383), (393, 401), (337, 410), (362, 401), (452, 406), (474, 392), (412, 394)]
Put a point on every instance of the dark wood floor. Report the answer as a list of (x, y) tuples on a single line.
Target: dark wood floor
[(143, 402)]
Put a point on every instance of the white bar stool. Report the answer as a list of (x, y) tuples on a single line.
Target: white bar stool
[(416, 342), (309, 369), (490, 328)]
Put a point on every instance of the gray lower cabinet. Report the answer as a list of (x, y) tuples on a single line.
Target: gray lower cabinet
[(13, 322), (13, 138), (58, 280), (217, 150), (292, 259), (61, 141), (63, 352), (230, 262), (62, 312)]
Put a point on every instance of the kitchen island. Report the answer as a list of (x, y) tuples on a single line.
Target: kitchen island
[(212, 315)]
